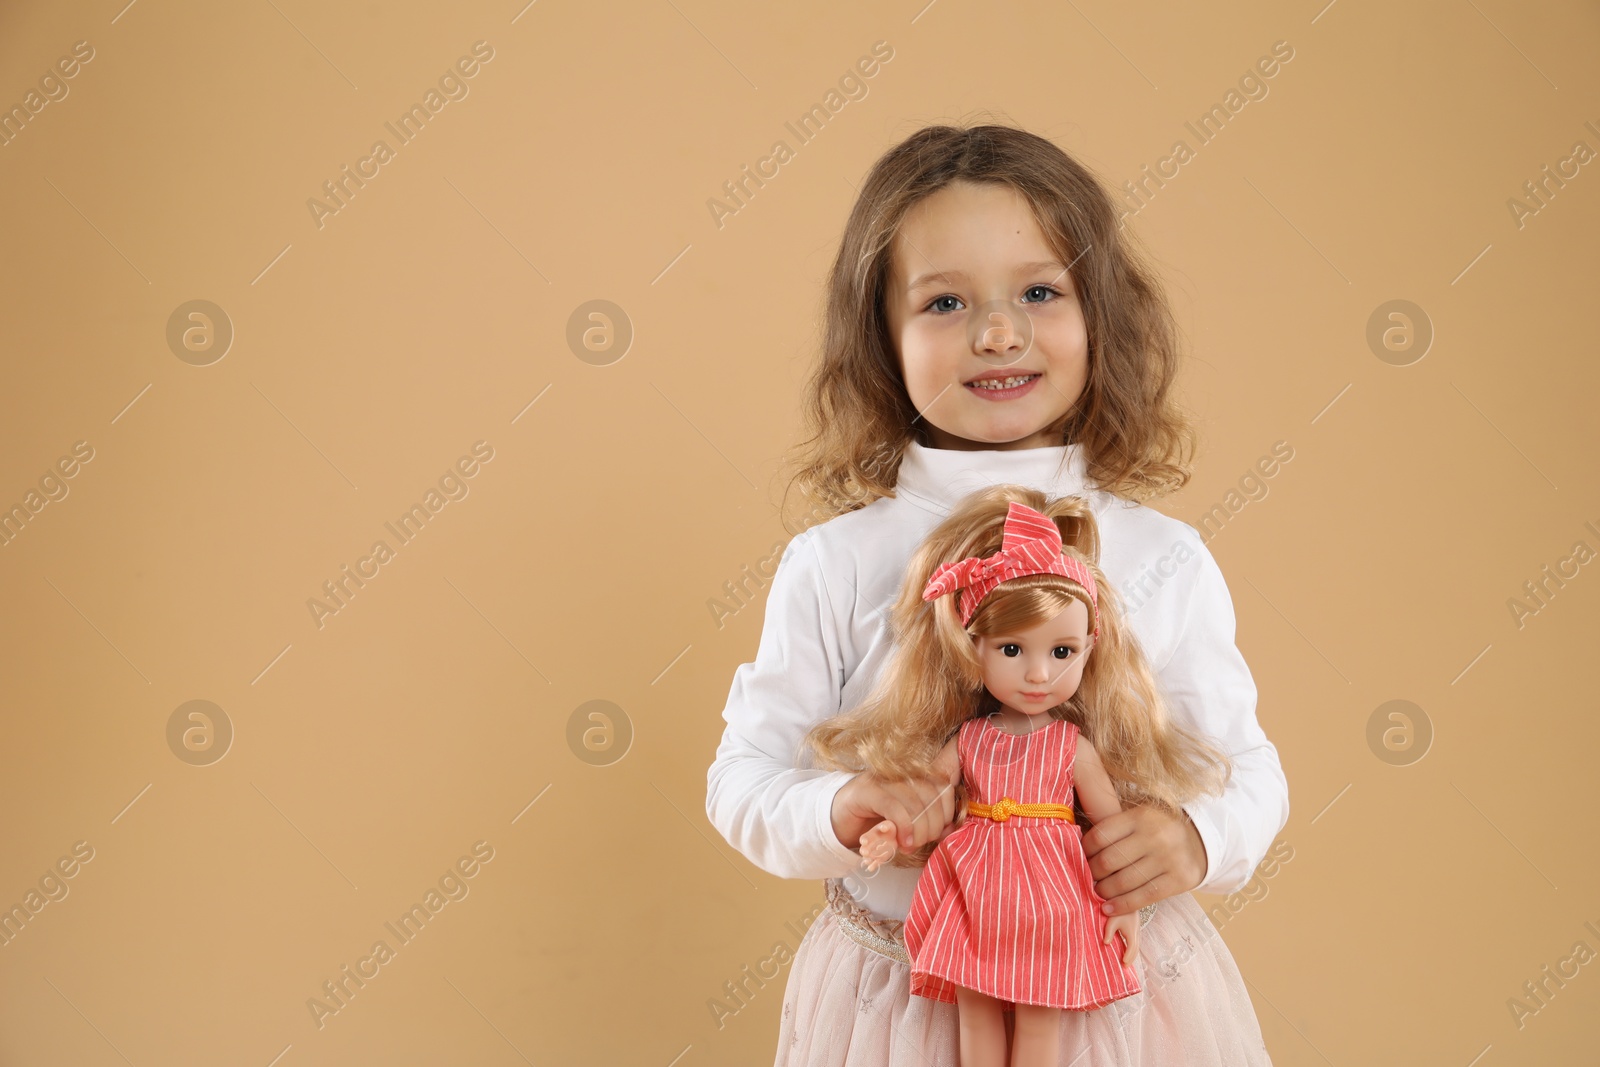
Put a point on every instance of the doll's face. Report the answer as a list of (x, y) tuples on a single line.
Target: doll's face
[(1003, 305), (1033, 670)]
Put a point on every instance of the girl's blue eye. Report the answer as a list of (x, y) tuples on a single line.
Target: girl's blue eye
[(933, 305)]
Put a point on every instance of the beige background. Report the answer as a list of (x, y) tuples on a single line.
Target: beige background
[(426, 315)]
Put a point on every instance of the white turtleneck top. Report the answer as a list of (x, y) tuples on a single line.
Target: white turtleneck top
[(825, 638)]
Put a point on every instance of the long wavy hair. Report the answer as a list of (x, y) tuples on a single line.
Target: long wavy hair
[(1137, 442), (933, 681)]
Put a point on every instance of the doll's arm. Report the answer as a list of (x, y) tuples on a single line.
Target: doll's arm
[(1095, 792), (1098, 798), (947, 764)]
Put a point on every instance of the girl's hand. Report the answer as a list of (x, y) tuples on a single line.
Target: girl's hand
[(1141, 855), (922, 809), (1128, 927)]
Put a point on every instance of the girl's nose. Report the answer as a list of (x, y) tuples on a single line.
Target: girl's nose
[(997, 333)]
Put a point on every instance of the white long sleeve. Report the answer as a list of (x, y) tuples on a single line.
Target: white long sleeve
[(824, 639), (775, 813), (1210, 689)]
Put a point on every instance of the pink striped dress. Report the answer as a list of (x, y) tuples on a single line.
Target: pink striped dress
[(1009, 908)]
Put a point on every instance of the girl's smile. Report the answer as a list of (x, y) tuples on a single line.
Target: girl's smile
[(1003, 386)]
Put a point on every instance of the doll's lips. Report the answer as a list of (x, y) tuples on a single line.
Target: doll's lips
[(1035, 696)]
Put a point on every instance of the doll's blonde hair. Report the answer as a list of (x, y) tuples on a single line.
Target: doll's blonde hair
[(933, 681)]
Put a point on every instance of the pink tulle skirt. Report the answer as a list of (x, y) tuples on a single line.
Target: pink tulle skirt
[(848, 1001)]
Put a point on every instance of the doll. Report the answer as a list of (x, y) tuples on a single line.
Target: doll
[(1012, 656)]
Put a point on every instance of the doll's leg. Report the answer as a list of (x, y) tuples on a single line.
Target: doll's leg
[(1038, 1036), (983, 1029)]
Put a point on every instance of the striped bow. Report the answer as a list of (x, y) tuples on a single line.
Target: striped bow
[(1031, 544)]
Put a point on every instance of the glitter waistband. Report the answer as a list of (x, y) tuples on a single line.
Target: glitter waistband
[(883, 936)]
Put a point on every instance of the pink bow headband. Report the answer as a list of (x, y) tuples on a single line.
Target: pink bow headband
[(1031, 544)]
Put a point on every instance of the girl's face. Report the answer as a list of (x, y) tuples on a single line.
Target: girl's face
[(975, 293), (1033, 670)]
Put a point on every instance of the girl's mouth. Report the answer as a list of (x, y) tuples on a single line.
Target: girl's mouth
[(1006, 388)]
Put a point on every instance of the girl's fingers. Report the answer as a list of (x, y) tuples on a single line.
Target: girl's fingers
[(921, 810), (1122, 854), (1106, 834), (939, 808), (916, 822), (949, 802), (904, 819), (1123, 875)]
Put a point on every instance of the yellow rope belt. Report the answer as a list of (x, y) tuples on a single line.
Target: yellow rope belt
[(1005, 807)]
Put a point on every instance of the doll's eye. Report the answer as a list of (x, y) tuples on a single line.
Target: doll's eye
[(1012, 650), (1062, 651)]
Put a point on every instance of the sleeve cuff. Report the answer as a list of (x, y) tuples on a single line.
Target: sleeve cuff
[(1210, 837), (849, 859)]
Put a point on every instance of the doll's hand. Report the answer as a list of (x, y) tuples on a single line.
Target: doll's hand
[(1128, 927), (877, 845)]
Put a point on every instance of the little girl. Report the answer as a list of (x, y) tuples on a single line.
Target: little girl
[(988, 322), (1033, 667)]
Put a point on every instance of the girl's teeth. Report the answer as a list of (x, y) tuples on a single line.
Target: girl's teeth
[(1003, 383)]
